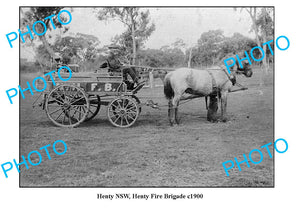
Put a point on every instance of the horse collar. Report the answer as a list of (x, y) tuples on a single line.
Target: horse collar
[(231, 77)]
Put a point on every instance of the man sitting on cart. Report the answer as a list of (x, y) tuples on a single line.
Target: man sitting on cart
[(114, 65)]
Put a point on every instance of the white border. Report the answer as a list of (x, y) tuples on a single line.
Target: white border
[(282, 198)]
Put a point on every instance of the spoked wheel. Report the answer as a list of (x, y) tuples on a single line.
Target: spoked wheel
[(95, 105), (67, 106), (138, 103), (123, 112)]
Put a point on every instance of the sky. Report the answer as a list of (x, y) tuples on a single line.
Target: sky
[(171, 23)]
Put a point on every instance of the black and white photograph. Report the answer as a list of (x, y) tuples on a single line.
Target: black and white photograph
[(177, 97)]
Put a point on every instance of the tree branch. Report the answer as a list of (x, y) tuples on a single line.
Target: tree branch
[(124, 22)]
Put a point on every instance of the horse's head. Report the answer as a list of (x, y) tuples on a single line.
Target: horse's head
[(246, 70)]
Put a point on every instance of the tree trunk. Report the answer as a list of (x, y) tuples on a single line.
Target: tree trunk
[(133, 39), (253, 18), (47, 46), (133, 48), (264, 36), (264, 61)]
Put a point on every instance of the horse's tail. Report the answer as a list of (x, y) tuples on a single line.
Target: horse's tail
[(168, 90)]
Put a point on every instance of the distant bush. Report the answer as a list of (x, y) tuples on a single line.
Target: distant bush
[(26, 67)]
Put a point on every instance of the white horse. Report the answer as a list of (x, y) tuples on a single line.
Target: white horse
[(186, 83)]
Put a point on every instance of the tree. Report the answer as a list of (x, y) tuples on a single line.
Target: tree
[(137, 23), (179, 44), (211, 42), (151, 57), (167, 56), (83, 47), (235, 44), (208, 48), (43, 57), (263, 27), (213, 46), (172, 56), (33, 14), (40, 13)]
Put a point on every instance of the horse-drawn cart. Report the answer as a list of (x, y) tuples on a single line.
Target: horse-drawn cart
[(68, 104)]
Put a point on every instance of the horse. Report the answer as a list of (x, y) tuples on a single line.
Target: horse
[(187, 83)]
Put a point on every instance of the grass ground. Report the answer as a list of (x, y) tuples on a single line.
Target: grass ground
[(151, 153)]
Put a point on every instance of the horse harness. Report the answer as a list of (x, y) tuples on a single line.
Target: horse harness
[(215, 89)]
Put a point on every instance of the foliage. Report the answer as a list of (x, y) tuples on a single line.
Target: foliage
[(214, 46), (43, 56), (209, 46), (31, 15), (81, 49), (40, 13), (265, 23), (138, 28), (78, 48), (263, 27), (164, 57), (27, 66)]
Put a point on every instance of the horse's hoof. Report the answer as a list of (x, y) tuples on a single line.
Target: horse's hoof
[(224, 120), (210, 119), (213, 120), (174, 124)]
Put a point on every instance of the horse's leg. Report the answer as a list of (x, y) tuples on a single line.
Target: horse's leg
[(170, 112), (176, 113), (175, 104), (224, 106), (212, 108)]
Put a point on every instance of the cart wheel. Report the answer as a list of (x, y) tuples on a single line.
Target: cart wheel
[(67, 106), (123, 112), (138, 103), (95, 105)]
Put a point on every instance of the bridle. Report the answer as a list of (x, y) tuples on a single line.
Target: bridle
[(230, 77)]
